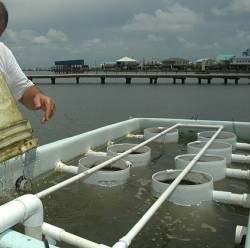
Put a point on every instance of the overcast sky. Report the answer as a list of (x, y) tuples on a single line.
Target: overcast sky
[(41, 32)]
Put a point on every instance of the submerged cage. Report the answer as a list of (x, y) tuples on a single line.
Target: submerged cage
[(209, 164), (195, 188), (170, 137), (109, 176), (138, 158)]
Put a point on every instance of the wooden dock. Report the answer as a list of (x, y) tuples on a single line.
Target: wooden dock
[(152, 77)]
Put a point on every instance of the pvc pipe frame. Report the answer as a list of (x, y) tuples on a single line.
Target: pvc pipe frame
[(28, 210), (114, 159), (125, 241), (60, 234), (242, 200)]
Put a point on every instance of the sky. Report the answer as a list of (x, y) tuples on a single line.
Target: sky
[(40, 32)]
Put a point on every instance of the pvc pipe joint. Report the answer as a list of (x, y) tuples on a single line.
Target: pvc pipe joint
[(136, 136), (244, 159), (91, 152), (243, 146), (238, 173), (61, 167), (28, 210), (242, 200)]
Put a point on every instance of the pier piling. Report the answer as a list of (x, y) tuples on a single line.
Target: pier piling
[(77, 80), (102, 80), (128, 80), (53, 80)]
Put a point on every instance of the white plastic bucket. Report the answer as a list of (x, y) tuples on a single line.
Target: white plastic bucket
[(109, 176), (141, 157), (216, 148), (170, 137), (197, 187), (209, 164)]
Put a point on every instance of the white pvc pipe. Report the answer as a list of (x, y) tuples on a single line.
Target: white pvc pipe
[(28, 210), (91, 152), (136, 136), (125, 241), (238, 173), (243, 146), (100, 166), (242, 200), (61, 167), (60, 234), (243, 159)]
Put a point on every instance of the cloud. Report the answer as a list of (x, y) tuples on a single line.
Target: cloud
[(175, 18), (56, 35), (154, 38), (30, 36), (187, 44), (234, 7), (100, 45), (51, 36), (194, 45), (243, 35), (40, 40)]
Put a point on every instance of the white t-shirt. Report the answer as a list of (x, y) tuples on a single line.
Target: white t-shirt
[(16, 79)]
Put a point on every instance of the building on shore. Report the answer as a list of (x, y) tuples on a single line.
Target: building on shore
[(127, 63), (109, 66), (151, 65), (70, 66), (235, 63), (175, 64), (204, 64), (240, 63)]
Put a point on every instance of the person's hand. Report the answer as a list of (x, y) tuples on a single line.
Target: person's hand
[(45, 103), (34, 99)]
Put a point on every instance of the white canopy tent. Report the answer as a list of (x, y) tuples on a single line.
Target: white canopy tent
[(126, 60)]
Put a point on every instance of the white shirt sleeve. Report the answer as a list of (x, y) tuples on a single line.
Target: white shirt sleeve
[(15, 77)]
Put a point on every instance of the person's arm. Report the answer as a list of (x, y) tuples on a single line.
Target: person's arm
[(34, 99), (22, 88)]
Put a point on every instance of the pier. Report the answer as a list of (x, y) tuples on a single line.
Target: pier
[(152, 77)]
